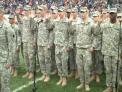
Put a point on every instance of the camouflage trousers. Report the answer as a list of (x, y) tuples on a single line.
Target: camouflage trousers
[(28, 51), (61, 61), (110, 63), (72, 57), (14, 58), (53, 61), (83, 61), (5, 78), (44, 59), (97, 66)]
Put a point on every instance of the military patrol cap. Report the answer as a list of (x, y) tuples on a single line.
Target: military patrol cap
[(53, 7), (55, 11), (105, 11), (113, 10), (27, 8), (119, 14), (68, 10), (83, 9), (40, 7), (74, 10), (96, 13), (61, 9), (11, 17), (20, 7)]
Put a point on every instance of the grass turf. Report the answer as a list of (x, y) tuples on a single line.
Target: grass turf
[(51, 86)]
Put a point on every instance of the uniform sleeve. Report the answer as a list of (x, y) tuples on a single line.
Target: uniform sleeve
[(96, 31), (50, 28), (18, 36), (66, 43)]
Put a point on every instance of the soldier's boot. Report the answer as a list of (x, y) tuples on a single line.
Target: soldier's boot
[(47, 78), (93, 77), (60, 81), (87, 88), (80, 86), (15, 73), (30, 75), (64, 81), (77, 75), (25, 75), (97, 78), (108, 89), (72, 74), (54, 72), (42, 77)]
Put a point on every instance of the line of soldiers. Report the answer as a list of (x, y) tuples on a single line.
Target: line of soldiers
[(68, 42)]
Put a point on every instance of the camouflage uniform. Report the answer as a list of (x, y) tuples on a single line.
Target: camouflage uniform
[(28, 42), (72, 48), (43, 47), (110, 40), (6, 37), (50, 27), (83, 53), (19, 19), (61, 45), (96, 55), (15, 45)]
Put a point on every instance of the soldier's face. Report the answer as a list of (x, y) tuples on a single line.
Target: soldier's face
[(113, 17), (74, 14), (61, 14), (54, 16), (1, 16), (105, 15), (27, 12), (96, 18), (84, 14), (11, 21), (42, 12), (38, 13), (68, 15)]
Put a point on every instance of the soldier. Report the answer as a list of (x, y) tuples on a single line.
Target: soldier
[(16, 45), (119, 19), (52, 20), (28, 42), (61, 47), (110, 46), (105, 15), (96, 55), (43, 45), (74, 21), (6, 37), (71, 52), (84, 49)]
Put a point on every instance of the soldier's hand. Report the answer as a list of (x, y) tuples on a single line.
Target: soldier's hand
[(66, 49), (17, 50), (49, 46), (7, 66), (91, 49)]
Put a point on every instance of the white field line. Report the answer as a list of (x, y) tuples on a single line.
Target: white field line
[(25, 86)]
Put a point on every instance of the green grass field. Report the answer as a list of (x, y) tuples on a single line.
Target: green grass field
[(51, 86)]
